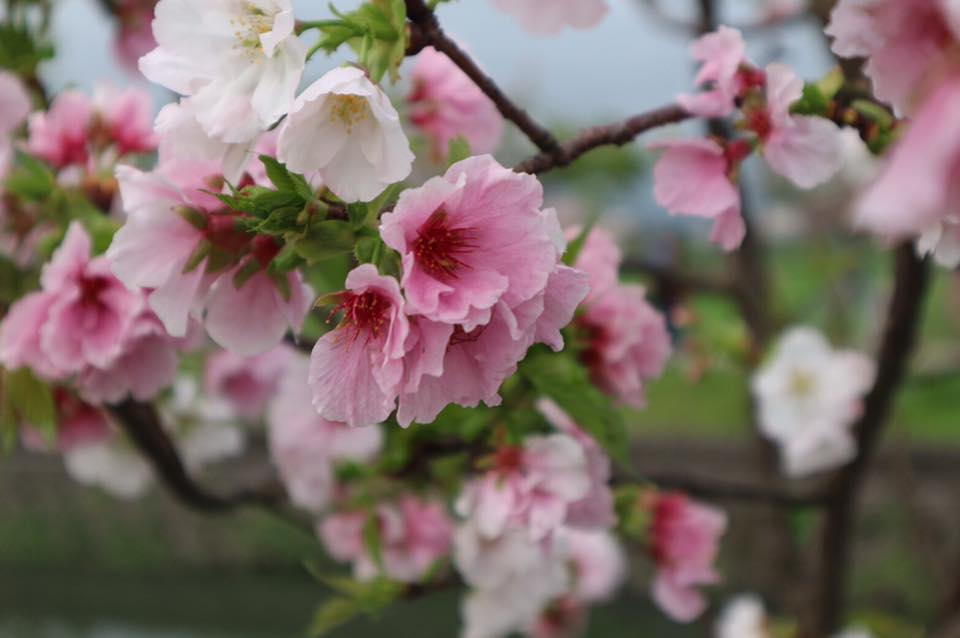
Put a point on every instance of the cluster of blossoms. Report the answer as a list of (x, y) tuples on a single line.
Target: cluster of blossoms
[(482, 282), (525, 521), (910, 47), (627, 338), (699, 177), (808, 397)]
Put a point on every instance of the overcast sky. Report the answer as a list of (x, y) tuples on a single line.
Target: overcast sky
[(626, 64)]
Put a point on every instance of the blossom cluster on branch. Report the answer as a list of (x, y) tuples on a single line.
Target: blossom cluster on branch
[(462, 414)]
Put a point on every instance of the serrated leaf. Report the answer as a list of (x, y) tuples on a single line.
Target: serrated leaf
[(325, 239), (563, 379), (278, 174)]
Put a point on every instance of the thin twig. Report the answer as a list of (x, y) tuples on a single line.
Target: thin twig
[(143, 425), (426, 31), (615, 134)]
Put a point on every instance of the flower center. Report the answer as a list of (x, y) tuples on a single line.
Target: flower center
[(364, 314), (349, 110), (439, 249), (801, 383), (508, 459), (249, 26), (90, 289)]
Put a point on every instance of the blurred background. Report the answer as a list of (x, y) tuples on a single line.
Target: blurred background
[(76, 563)]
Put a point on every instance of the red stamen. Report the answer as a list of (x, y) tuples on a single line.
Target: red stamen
[(439, 249), (365, 313)]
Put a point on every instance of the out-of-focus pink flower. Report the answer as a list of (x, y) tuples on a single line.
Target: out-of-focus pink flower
[(127, 119), (806, 150), (684, 539), (246, 383), (551, 16), (906, 44), (600, 258), (14, 108), (356, 369), (445, 104), (532, 487), (147, 364), (182, 245), (92, 314), (470, 238), (241, 68), (721, 53), (59, 136), (78, 423), (918, 186), (344, 128), (599, 564), (134, 38), (629, 343), (414, 533), (305, 447), (693, 177), (595, 510)]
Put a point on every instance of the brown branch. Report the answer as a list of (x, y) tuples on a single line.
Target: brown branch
[(711, 488), (426, 31), (615, 134), (143, 425), (674, 279), (903, 320)]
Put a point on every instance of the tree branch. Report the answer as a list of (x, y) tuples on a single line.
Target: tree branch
[(711, 488), (143, 425), (615, 134), (912, 277), (426, 31)]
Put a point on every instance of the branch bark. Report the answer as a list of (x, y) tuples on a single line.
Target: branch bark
[(426, 31), (143, 425), (912, 277)]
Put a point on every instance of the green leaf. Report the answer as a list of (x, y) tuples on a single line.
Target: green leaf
[(278, 174), (813, 102), (575, 247), (31, 180), (332, 614), (372, 541), (365, 250), (458, 149), (563, 379), (325, 239), (32, 400)]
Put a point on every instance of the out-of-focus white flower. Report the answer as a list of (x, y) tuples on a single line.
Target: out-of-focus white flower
[(344, 128), (112, 465), (743, 617), (204, 428), (808, 396), (240, 62)]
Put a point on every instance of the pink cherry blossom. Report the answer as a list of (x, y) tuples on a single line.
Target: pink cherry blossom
[(918, 186), (127, 119), (246, 383), (470, 238), (595, 510), (445, 104), (600, 258), (905, 43), (59, 136), (629, 343), (93, 312), (356, 369), (722, 53), (20, 335), (414, 534), (531, 487), (305, 447), (172, 216), (693, 177), (600, 564), (806, 150), (134, 38), (551, 16), (14, 107), (684, 538), (146, 365)]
